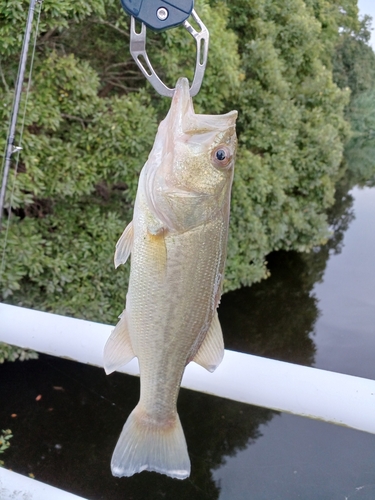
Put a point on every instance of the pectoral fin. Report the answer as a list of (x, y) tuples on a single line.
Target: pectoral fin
[(124, 245), (211, 352), (118, 349)]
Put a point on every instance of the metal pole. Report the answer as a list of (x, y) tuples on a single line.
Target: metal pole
[(16, 104)]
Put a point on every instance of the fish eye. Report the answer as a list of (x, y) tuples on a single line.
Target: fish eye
[(221, 156)]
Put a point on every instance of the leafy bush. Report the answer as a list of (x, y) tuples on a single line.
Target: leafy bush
[(360, 149), (5, 436), (12, 353), (91, 120)]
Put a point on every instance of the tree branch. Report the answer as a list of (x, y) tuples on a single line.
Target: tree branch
[(47, 36), (77, 119), (127, 89), (113, 26), (3, 78)]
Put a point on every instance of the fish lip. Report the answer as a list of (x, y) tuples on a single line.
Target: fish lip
[(181, 106), (182, 92)]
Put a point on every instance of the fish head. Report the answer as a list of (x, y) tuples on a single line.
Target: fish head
[(189, 173)]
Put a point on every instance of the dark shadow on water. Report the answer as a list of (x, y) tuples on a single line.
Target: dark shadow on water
[(66, 439), (273, 318)]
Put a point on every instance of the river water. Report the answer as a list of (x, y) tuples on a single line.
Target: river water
[(316, 309), (299, 458)]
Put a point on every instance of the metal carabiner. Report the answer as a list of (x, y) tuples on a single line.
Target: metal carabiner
[(138, 51)]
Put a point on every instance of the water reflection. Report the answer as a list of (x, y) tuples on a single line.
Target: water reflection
[(274, 318), (314, 461)]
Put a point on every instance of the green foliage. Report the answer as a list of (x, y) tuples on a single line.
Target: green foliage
[(11, 353), (354, 59), (4, 440), (360, 149), (291, 130), (70, 215), (354, 68), (91, 120), (336, 18), (5, 436), (362, 115)]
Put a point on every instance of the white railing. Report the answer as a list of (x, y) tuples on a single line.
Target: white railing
[(14, 486), (308, 392)]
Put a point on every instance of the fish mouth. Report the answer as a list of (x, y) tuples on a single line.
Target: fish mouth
[(181, 106), (183, 119)]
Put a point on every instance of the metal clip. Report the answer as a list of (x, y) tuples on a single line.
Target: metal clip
[(138, 49)]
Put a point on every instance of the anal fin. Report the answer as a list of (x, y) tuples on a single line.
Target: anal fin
[(118, 350), (211, 352)]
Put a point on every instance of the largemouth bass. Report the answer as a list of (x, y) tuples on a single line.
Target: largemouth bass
[(177, 241)]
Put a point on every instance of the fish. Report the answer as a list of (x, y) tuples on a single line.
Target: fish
[(178, 244)]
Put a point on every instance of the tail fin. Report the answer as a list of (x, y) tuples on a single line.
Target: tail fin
[(143, 445)]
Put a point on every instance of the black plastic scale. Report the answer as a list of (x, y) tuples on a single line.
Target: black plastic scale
[(159, 14)]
